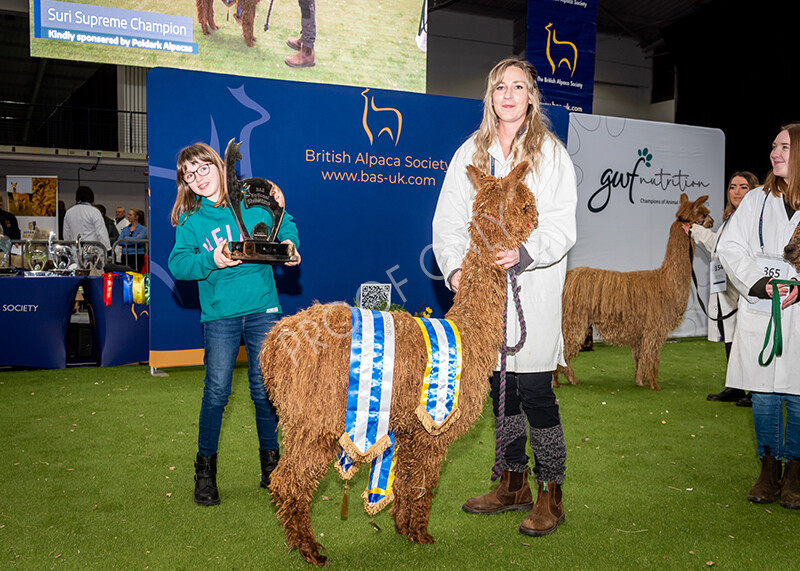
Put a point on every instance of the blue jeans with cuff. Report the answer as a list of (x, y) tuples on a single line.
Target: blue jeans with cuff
[(222, 338), (774, 436)]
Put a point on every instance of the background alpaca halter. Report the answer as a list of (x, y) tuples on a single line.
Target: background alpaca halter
[(262, 247)]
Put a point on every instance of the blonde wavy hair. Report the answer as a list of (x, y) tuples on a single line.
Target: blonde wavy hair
[(789, 187), (535, 129), (187, 201)]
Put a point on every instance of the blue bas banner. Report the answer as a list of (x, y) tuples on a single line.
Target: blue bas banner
[(360, 168), (561, 45)]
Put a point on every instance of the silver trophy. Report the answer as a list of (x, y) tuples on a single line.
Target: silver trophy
[(5, 255), (63, 255), (34, 257), (91, 256)]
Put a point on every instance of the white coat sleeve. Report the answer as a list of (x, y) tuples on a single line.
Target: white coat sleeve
[(737, 246), (705, 237), (67, 232), (556, 194), (452, 216)]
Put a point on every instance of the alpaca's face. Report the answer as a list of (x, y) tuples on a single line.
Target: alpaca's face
[(504, 211), (695, 212), (792, 250)]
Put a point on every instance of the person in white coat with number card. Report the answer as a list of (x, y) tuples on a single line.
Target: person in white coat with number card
[(751, 251), (724, 296), (513, 130)]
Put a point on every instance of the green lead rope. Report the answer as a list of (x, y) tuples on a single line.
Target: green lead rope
[(775, 321)]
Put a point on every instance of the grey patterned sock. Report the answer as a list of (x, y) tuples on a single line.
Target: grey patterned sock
[(550, 453), (514, 429)]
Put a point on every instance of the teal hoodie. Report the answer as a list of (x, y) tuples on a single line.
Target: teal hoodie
[(228, 292)]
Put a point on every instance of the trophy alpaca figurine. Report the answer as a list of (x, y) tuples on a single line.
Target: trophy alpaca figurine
[(306, 365)]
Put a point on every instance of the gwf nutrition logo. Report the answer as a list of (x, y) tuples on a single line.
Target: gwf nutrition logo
[(631, 180)]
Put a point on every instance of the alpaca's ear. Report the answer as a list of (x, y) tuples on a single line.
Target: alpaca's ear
[(475, 174), (684, 199), (519, 171), (701, 200)]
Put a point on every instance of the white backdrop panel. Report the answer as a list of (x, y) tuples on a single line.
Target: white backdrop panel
[(630, 178)]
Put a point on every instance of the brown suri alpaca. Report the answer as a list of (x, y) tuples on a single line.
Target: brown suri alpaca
[(305, 361), (633, 308), (791, 252), (246, 14)]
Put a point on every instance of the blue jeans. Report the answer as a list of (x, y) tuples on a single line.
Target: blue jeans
[(222, 338), (774, 436)]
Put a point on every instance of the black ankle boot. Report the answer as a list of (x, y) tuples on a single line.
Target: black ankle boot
[(269, 461), (205, 480), (727, 395)]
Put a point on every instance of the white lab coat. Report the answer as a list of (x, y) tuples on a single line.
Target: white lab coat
[(737, 250), (554, 186), (719, 304), (86, 220)]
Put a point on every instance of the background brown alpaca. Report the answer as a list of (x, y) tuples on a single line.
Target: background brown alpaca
[(305, 362), (246, 15), (633, 308), (792, 250)]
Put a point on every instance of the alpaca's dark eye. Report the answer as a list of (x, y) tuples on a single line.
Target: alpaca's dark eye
[(526, 207)]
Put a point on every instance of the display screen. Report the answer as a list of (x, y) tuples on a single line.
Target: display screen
[(355, 42)]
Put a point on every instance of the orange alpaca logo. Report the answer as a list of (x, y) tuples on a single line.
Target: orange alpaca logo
[(381, 116), (563, 47)]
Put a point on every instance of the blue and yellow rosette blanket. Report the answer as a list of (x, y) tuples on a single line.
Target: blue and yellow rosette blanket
[(368, 436)]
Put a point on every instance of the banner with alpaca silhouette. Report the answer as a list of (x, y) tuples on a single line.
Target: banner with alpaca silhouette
[(360, 167), (561, 45)]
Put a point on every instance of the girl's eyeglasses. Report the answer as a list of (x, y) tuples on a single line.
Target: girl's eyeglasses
[(202, 170)]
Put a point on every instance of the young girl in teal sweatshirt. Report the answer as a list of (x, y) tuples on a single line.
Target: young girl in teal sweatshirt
[(237, 301)]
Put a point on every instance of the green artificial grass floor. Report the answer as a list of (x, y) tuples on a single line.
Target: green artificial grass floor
[(97, 472)]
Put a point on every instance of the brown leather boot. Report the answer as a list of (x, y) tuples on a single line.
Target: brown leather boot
[(768, 484), (303, 58), (548, 512), (513, 493), (790, 485), (294, 43)]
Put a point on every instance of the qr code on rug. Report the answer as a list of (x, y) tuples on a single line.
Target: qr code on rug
[(375, 296)]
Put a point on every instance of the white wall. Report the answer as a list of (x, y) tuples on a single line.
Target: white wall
[(462, 48), (622, 82)]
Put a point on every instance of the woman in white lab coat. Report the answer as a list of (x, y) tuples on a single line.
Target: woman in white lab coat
[(514, 130), (724, 298), (751, 253)]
